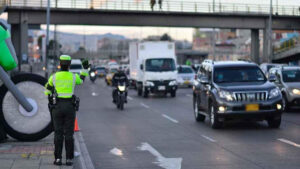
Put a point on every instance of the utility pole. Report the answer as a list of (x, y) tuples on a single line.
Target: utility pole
[(270, 33), (213, 36), (47, 39)]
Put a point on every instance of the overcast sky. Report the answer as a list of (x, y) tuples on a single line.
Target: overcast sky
[(142, 32)]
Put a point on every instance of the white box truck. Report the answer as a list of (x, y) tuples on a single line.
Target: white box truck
[(153, 67)]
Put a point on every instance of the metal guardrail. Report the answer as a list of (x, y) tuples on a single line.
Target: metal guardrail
[(167, 6)]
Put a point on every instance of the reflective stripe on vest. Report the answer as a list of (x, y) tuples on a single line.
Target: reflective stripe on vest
[(73, 86)]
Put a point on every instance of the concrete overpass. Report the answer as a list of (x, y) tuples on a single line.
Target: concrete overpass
[(21, 17)]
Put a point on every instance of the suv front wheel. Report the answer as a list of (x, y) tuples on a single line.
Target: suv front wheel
[(214, 120), (198, 117), (274, 122)]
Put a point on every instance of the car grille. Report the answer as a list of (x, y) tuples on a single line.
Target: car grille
[(161, 83), (250, 96)]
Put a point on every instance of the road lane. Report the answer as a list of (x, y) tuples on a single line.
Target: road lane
[(245, 139), (250, 145)]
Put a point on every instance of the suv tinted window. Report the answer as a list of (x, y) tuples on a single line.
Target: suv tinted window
[(238, 74)]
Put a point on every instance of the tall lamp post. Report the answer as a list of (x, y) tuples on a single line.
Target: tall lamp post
[(47, 39), (270, 33)]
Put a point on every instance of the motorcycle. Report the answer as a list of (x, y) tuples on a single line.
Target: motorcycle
[(93, 76), (24, 111), (121, 96)]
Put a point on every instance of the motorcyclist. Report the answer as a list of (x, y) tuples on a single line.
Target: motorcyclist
[(119, 77), (61, 87)]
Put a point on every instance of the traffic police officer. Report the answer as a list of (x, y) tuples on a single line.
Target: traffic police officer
[(61, 86)]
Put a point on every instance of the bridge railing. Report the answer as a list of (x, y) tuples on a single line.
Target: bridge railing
[(2, 5), (167, 6)]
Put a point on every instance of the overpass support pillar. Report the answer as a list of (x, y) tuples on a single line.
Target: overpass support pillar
[(255, 45), (265, 46), (19, 35)]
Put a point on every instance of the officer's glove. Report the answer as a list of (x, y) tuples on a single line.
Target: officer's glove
[(85, 64)]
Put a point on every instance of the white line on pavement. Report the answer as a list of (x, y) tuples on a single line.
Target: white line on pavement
[(208, 138), (189, 95), (163, 162), (129, 98), (94, 94), (146, 106), (169, 118), (289, 142)]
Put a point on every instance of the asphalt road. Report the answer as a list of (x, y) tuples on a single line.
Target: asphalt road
[(160, 132)]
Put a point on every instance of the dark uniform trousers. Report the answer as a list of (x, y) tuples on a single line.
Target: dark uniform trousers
[(63, 120)]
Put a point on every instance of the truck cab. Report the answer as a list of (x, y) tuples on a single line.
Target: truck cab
[(153, 67)]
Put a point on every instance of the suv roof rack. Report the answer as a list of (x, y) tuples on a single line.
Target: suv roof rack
[(245, 60)]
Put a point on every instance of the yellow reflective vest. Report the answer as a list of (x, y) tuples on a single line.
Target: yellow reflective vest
[(64, 83)]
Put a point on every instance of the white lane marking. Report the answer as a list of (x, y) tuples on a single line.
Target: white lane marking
[(129, 98), (169, 118), (167, 163), (117, 152), (208, 138), (94, 94), (189, 95), (289, 142), (144, 105)]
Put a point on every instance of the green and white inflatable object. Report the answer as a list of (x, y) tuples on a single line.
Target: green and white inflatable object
[(24, 111), (8, 59)]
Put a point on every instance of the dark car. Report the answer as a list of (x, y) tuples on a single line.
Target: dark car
[(288, 80), (233, 90), (101, 71)]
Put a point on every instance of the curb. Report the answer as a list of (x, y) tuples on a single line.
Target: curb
[(84, 158)]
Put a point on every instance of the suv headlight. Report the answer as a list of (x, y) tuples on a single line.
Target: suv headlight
[(296, 91), (173, 83), (274, 93), (148, 83), (226, 95)]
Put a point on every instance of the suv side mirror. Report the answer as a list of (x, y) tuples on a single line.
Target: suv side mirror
[(272, 78), (204, 80), (142, 67)]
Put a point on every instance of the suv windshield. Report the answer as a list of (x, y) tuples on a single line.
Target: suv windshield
[(238, 74), (159, 65), (291, 75), (76, 66), (185, 70)]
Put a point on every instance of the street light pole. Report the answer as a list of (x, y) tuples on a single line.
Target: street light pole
[(270, 33), (47, 39)]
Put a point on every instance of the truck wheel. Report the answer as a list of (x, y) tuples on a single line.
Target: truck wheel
[(173, 93), (198, 117), (140, 91), (17, 122), (214, 120), (145, 93), (274, 122)]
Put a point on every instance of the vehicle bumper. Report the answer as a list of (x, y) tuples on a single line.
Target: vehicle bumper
[(233, 110), (186, 83), (155, 89)]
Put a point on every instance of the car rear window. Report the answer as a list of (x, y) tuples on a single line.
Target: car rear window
[(185, 70), (76, 66)]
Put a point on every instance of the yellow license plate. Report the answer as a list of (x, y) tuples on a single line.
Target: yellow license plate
[(252, 107), (187, 82)]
